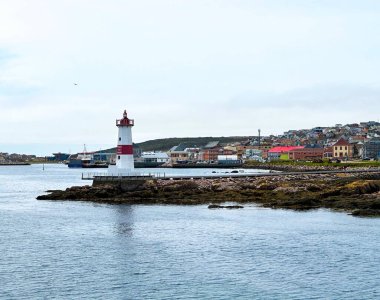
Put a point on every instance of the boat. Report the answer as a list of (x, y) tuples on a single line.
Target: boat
[(95, 165), (144, 164), (151, 160), (85, 163), (85, 160)]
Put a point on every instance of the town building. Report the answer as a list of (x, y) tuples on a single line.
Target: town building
[(177, 156), (228, 159), (281, 152), (342, 149), (212, 154), (371, 149), (155, 157), (309, 152), (328, 152)]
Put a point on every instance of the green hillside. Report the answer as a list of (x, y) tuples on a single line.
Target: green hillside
[(166, 144)]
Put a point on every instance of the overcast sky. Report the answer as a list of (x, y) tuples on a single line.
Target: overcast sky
[(182, 68)]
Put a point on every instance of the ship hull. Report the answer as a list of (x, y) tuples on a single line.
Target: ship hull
[(142, 164)]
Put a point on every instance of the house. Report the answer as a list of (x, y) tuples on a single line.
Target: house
[(342, 149), (155, 157), (176, 156), (371, 149), (212, 145), (358, 148), (328, 152), (309, 152), (281, 151), (211, 151), (241, 150), (193, 153), (178, 153), (212, 154)]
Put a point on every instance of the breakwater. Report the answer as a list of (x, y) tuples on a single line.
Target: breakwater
[(14, 164), (356, 192), (300, 167)]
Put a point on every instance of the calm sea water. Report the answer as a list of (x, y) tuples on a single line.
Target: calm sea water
[(76, 250)]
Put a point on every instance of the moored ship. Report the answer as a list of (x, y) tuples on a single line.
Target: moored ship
[(151, 160), (85, 160)]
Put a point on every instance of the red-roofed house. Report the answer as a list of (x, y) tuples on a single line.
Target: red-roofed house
[(342, 149), (276, 152)]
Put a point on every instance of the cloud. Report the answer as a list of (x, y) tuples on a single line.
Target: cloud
[(184, 68), (341, 97)]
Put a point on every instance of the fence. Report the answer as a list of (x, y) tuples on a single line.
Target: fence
[(129, 176), (164, 176)]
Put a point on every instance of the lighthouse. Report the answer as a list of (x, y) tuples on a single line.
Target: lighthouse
[(124, 151)]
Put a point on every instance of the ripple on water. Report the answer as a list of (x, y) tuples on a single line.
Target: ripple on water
[(83, 250)]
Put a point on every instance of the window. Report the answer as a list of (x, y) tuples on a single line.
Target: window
[(119, 138), (340, 148), (345, 148), (118, 157)]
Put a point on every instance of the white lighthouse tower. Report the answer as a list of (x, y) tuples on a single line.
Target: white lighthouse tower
[(124, 152)]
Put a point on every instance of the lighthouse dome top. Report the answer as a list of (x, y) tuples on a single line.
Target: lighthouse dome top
[(125, 121)]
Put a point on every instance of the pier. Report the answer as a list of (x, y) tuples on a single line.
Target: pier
[(165, 176)]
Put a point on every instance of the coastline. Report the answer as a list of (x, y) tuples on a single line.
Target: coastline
[(354, 193), (306, 167), (15, 164)]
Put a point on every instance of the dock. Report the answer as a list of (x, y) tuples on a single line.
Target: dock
[(164, 176)]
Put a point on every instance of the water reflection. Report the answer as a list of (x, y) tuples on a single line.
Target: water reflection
[(124, 219), (70, 250)]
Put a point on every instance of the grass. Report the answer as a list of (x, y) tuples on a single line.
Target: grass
[(325, 163)]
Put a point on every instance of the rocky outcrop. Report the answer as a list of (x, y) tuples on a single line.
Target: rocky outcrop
[(296, 167), (214, 206), (357, 193)]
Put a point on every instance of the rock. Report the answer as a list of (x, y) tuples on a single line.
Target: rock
[(266, 187), (366, 213), (214, 206), (359, 192), (362, 187), (313, 188), (233, 206), (289, 189)]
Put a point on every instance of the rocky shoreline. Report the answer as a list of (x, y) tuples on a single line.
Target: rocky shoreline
[(357, 194), (307, 168)]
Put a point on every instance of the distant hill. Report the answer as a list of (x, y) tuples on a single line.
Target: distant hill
[(166, 144)]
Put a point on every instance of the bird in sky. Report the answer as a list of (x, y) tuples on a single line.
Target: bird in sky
[(75, 83)]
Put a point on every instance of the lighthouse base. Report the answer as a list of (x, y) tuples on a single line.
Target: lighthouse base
[(115, 171)]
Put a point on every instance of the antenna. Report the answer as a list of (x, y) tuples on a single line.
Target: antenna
[(259, 136)]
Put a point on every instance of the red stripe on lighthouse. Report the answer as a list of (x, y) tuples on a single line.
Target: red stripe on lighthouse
[(124, 149)]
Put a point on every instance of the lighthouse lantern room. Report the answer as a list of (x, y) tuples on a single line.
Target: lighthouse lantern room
[(124, 152)]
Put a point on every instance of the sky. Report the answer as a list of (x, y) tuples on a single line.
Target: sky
[(182, 68)]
